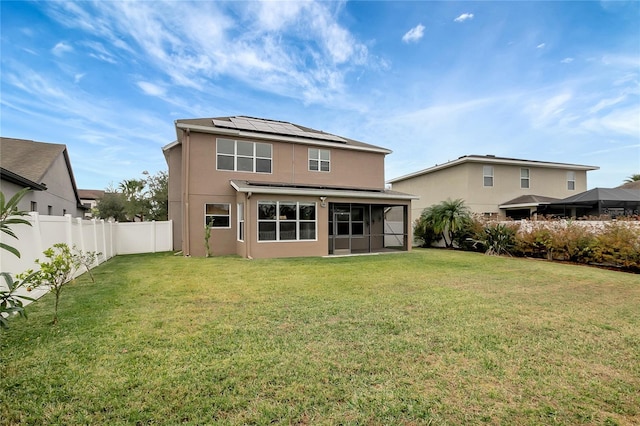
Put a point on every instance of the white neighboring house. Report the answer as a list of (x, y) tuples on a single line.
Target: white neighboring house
[(494, 186)]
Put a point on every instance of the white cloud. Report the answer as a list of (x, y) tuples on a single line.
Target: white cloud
[(61, 48), (414, 34), (541, 46), (77, 77), (567, 60), (297, 50), (151, 89), (464, 17)]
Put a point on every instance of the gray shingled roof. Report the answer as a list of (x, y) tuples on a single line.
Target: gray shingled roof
[(601, 194), (27, 158), (531, 199)]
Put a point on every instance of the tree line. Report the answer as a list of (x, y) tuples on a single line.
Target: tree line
[(136, 200)]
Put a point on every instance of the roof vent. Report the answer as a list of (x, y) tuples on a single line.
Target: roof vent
[(491, 155)]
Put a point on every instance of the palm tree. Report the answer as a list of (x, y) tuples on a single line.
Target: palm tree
[(633, 178), (447, 218)]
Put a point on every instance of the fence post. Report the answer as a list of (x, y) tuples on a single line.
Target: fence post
[(104, 240), (94, 226), (153, 236), (68, 229), (82, 246), (37, 234)]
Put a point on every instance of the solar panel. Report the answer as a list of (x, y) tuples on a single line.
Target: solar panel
[(275, 127)]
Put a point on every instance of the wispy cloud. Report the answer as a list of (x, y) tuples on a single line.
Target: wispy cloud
[(464, 17), (567, 60), (414, 34), (152, 89), (541, 46), (296, 50), (61, 48)]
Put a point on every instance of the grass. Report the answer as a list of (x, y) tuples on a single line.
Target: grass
[(427, 337)]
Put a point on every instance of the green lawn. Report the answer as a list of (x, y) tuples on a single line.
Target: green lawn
[(428, 337)]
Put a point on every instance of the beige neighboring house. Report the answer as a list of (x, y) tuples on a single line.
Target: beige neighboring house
[(494, 186), (89, 198), (270, 188), (46, 169)]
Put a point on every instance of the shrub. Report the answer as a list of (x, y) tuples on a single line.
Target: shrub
[(498, 239), (618, 245)]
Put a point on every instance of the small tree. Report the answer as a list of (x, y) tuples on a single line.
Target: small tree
[(84, 259), (447, 219), (633, 178), (10, 301), (10, 215), (207, 237), (112, 206), (56, 272)]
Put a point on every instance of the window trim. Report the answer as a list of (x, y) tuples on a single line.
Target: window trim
[(526, 179), (240, 222), (319, 160), (278, 220), (485, 176), (236, 156), (571, 179), (206, 215)]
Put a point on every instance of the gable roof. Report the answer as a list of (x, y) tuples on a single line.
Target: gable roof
[(261, 128), (90, 194), (26, 162), (527, 201), (492, 159)]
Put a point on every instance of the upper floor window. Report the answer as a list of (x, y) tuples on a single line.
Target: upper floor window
[(571, 181), (319, 160), (524, 178), (34, 206), (217, 215), (243, 156), (487, 175)]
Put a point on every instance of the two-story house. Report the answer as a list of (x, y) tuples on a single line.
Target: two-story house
[(46, 169), (494, 186), (266, 188)]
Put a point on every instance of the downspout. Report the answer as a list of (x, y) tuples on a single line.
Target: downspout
[(186, 161)]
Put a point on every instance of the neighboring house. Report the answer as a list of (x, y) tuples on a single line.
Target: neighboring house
[(89, 198), (274, 189), (46, 169), (494, 186)]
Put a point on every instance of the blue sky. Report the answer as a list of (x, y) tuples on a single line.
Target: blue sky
[(433, 80)]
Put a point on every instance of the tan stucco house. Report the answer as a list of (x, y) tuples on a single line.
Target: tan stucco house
[(46, 169), (269, 188), (494, 186)]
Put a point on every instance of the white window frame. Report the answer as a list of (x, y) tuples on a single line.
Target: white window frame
[(571, 181), (240, 220), (525, 179), (315, 155), (240, 156), (486, 169), (278, 220), (206, 216)]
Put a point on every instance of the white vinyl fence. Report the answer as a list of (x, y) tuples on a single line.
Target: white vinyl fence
[(107, 238)]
